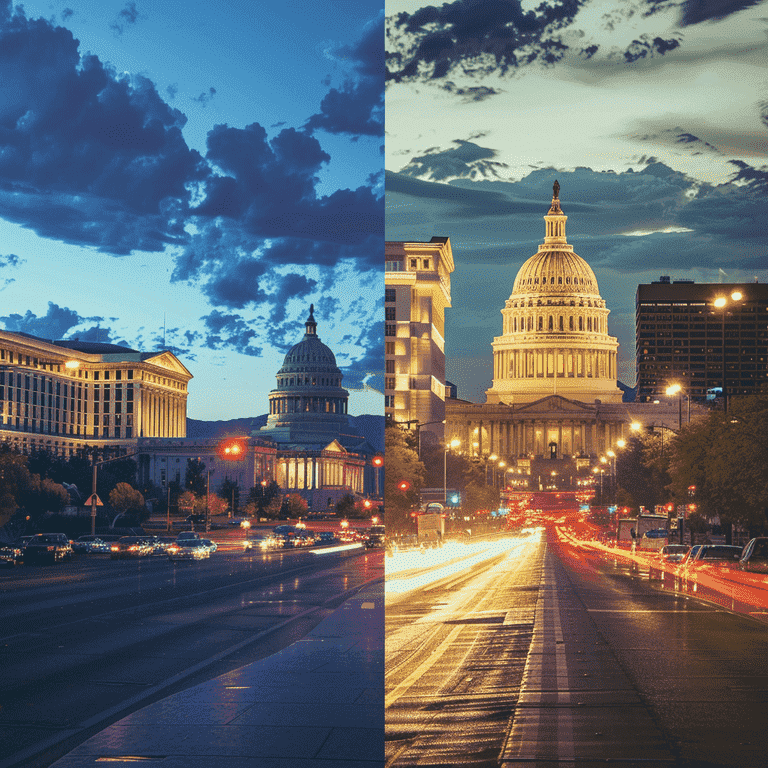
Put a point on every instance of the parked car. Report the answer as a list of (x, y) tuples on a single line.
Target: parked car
[(160, 544), (188, 549), (188, 535), (130, 546), (673, 553), (374, 540), (48, 547), (259, 542), (754, 556), (10, 554), (89, 544), (717, 554)]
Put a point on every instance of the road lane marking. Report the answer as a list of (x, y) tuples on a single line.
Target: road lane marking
[(400, 690)]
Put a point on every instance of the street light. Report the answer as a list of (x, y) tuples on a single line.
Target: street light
[(676, 389), (721, 302), (453, 444)]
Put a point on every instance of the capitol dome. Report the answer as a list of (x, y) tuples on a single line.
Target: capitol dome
[(555, 329), (308, 404)]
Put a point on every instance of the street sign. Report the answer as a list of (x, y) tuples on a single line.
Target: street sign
[(93, 498)]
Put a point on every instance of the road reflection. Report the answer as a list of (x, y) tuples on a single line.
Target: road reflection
[(414, 569)]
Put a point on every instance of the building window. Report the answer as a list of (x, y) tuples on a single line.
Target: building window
[(389, 313), (389, 382), (390, 329), (390, 368), (389, 401), (389, 347), (425, 263), (393, 266), (389, 294), (414, 263)]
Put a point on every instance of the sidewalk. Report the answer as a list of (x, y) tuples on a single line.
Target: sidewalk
[(317, 704)]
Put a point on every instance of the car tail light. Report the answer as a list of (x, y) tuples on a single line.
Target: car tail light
[(115, 548)]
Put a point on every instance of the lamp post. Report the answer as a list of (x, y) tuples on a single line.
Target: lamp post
[(721, 302), (676, 389), (453, 444)]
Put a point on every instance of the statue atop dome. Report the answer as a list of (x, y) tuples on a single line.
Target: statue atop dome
[(556, 189)]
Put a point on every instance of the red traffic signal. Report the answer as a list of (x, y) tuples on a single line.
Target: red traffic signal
[(233, 448), (403, 485)]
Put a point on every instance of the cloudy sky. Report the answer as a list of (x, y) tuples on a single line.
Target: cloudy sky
[(198, 173), (652, 114)]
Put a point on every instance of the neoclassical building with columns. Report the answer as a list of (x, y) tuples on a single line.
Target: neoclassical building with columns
[(554, 393)]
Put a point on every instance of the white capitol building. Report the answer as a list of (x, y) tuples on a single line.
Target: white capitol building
[(554, 393)]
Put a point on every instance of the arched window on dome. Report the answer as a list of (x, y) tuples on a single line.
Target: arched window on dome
[(552, 280), (570, 323), (561, 322), (541, 323), (581, 323), (560, 280), (549, 324)]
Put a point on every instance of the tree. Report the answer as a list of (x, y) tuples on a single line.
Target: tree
[(294, 506), (230, 491), (22, 490), (266, 500), (345, 506), (719, 465), (126, 501), (196, 477), (186, 503), (642, 472), (401, 465)]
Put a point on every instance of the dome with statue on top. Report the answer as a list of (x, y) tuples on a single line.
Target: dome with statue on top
[(308, 404)]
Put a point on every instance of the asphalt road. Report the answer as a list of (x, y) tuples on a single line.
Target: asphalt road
[(84, 643), (548, 656)]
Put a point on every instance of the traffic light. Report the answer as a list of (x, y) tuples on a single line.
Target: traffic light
[(233, 448)]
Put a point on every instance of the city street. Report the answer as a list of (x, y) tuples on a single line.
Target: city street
[(86, 642), (552, 655)]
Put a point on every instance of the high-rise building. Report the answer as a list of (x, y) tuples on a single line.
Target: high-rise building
[(417, 292), (701, 336), (63, 396)]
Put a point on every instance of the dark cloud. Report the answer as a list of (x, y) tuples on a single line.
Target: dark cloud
[(10, 260), (171, 91), (677, 139), (230, 331), (467, 37), (646, 47), (205, 96), (86, 156), (55, 324), (473, 94), (696, 11), (465, 160), (67, 13), (128, 16), (356, 108)]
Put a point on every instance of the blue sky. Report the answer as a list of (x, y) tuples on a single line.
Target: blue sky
[(198, 173), (652, 114)]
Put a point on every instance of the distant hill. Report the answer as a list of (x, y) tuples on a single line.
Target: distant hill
[(368, 426)]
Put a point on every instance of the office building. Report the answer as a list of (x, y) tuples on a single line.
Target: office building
[(684, 338), (417, 292)]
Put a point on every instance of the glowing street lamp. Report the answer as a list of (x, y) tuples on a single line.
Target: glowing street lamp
[(676, 389), (455, 443), (721, 302)]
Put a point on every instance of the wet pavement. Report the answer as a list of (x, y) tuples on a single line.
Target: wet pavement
[(317, 703)]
